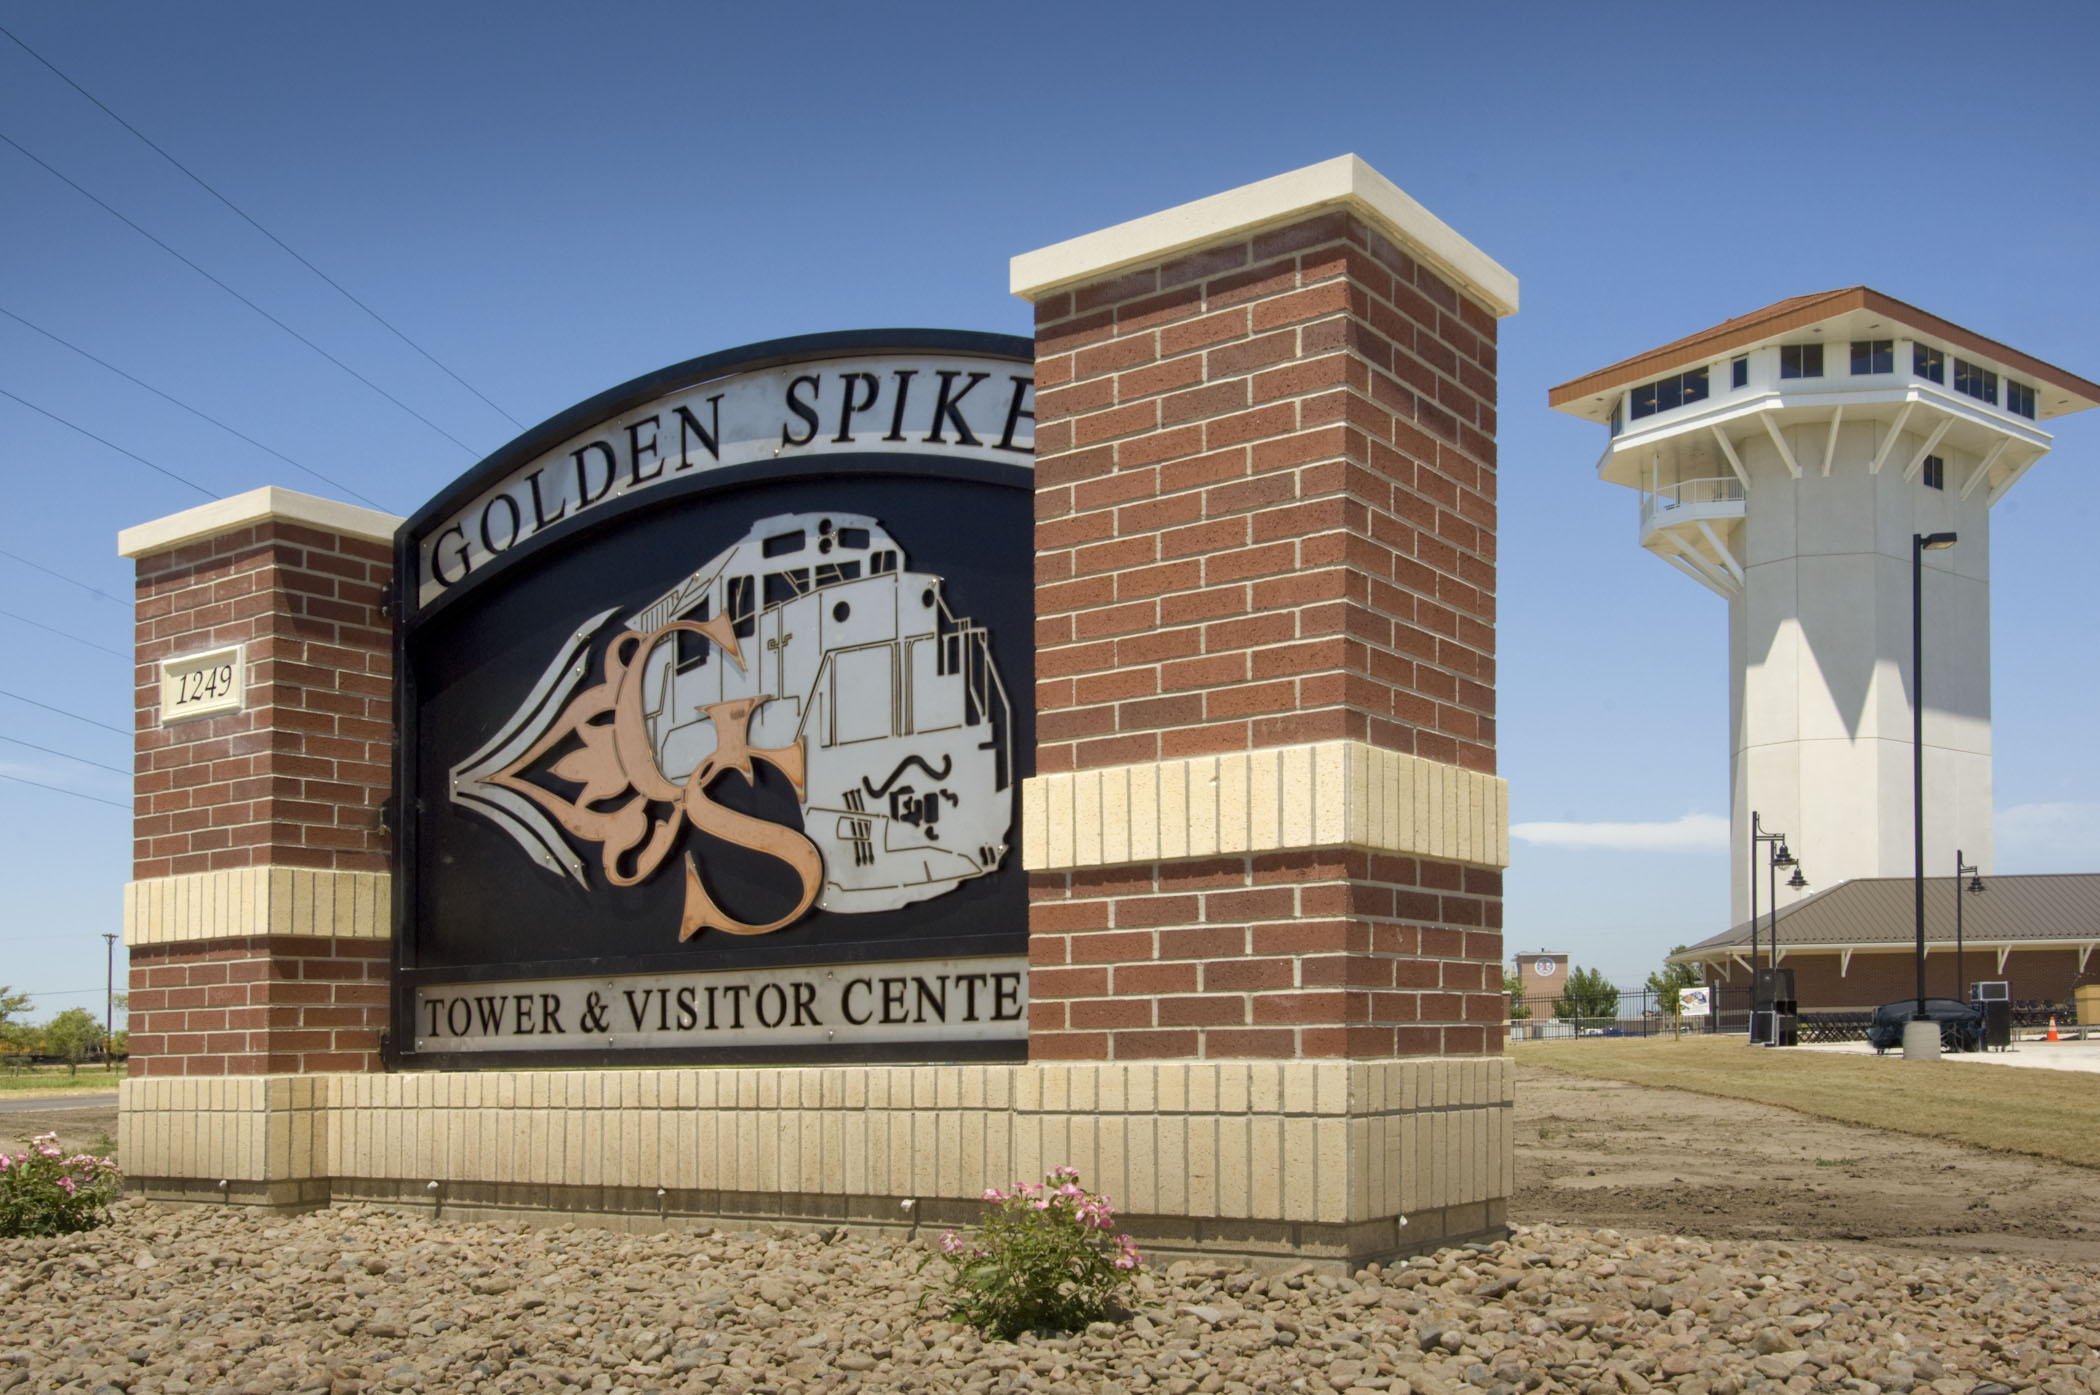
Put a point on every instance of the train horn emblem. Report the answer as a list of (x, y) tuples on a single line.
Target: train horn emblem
[(809, 647)]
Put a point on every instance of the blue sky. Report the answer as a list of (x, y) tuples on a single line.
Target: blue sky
[(553, 199)]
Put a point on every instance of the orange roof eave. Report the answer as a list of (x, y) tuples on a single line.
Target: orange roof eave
[(1800, 312)]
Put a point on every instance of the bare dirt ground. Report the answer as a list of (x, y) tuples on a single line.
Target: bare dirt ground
[(1602, 1153), (82, 1127)]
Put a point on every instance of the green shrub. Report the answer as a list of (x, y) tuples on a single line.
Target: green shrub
[(1044, 1258), (44, 1192)]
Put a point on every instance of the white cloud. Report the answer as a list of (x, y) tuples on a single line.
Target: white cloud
[(2052, 837), (1688, 833)]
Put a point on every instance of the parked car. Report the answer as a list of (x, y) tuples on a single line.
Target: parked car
[(1961, 1024)]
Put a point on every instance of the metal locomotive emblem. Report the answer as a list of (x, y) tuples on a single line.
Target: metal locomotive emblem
[(712, 713), (811, 646)]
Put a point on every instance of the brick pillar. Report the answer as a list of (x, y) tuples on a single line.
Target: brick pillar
[(259, 917), (1266, 821)]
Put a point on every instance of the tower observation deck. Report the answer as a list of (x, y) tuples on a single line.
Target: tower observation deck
[(1784, 460)]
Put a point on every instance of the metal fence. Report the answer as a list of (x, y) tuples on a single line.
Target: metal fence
[(1638, 1013)]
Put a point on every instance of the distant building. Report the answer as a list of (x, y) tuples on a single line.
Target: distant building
[(1545, 975), (1854, 945)]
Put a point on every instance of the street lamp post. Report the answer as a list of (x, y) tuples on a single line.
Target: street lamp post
[(1920, 543), (1758, 836), (1780, 858), (1961, 869), (1796, 884)]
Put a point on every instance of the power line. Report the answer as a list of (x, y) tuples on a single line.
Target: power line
[(58, 992), (62, 634), (184, 479), (61, 789), (63, 713), (54, 173), (244, 217), (195, 412), (112, 769), (69, 580)]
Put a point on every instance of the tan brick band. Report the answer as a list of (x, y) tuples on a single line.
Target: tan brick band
[(244, 902), (1293, 1158), (1329, 794)]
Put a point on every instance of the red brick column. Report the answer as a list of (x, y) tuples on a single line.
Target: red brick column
[(258, 919), (1265, 459)]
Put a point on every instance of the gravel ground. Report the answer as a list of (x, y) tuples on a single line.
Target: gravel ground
[(358, 1298)]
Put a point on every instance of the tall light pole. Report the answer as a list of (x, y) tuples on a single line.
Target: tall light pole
[(1961, 869), (1920, 543), (109, 991), (1757, 837)]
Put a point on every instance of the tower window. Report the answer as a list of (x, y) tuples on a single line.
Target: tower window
[(1801, 360), (1739, 372), (2019, 398), (1665, 393), (1935, 472), (1873, 356), (1975, 380), (1928, 362)]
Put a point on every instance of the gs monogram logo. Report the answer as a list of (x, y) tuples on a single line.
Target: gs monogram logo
[(621, 780)]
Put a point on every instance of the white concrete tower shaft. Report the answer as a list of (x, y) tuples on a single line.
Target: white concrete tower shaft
[(1785, 460)]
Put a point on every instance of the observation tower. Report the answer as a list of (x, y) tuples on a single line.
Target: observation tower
[(1785, 460)]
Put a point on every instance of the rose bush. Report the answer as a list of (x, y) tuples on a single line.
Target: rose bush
[(45, 1192), (1046, 1257)]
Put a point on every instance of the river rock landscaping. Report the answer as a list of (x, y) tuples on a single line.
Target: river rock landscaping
[(211, 1299)]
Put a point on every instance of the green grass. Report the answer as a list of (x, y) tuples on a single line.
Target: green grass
[(2043, 1113), (54, 1081)]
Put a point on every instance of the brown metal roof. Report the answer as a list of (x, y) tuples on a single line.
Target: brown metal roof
[(1799, 312), (2041, 909)]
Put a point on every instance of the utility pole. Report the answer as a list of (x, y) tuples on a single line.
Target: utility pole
[(109, 992)]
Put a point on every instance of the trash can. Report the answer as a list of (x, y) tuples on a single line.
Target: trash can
[(1997, 1024)]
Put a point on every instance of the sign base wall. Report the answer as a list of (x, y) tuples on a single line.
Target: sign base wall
[(1335, 1163)]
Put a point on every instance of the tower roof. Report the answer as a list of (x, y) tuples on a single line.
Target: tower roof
[(1860, 309)]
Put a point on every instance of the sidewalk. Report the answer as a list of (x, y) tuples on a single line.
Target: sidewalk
[(2035, 1055)]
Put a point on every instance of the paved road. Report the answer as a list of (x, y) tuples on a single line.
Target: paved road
[(41, 1103)]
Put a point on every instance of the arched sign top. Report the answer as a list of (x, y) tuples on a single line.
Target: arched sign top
[(867, 393)]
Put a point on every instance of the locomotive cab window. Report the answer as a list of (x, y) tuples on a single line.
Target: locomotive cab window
[(786, 585), (692, 648), (742, 606)]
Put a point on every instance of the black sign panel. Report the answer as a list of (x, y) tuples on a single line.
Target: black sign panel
[(715, 695)]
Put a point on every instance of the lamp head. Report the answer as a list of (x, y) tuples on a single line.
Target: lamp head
[(1933, 542), (1783, 858), (1976, 882), (1797, 882)]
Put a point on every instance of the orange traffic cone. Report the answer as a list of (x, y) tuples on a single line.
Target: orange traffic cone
[(2052, 1031)]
